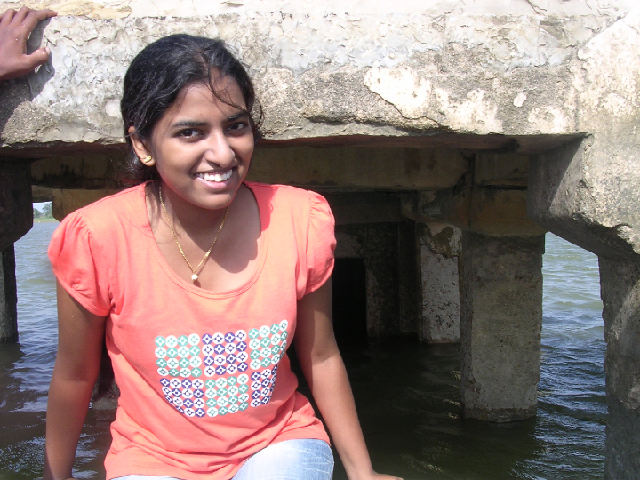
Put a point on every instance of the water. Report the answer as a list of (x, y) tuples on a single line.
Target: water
[(407, 393)]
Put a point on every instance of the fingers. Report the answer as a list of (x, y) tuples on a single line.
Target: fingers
[(6, 17), (28, 18), (15, 28), (37, 58)]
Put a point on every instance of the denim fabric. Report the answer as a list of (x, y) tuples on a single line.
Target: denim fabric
[(303, 459)]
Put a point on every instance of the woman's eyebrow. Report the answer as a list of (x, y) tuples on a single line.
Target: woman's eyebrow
[(188, 123), (238, 115)]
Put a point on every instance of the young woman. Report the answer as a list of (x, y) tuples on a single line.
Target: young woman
[(200, 281)]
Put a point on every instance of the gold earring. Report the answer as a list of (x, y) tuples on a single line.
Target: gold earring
[(146, 160)]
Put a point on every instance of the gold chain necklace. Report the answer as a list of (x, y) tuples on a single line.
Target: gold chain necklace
[(194, 271)]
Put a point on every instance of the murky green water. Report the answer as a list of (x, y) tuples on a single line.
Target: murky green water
[(407, 393)]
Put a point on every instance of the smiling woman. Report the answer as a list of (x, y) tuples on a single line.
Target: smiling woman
[(202, 146), (200, 353)]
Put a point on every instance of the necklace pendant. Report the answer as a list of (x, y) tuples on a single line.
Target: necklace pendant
[(194, 277)]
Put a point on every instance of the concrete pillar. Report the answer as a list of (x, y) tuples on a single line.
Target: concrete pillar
[(16, 218), (439, 278), (586, 192), (620, 281), (501, 317), (8, 297), (16, 207)]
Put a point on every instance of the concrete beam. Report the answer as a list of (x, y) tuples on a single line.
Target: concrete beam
[(418, 76), (359, 168), (96, 171), (489, 211)]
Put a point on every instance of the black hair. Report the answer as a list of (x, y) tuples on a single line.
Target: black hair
[(158, 74)]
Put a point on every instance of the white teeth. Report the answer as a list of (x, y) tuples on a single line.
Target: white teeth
[(216, 177)]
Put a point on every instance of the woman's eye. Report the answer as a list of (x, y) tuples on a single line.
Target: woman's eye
[(188, 133), (237, 126)]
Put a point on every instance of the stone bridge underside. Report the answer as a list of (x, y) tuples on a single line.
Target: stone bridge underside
[(448, 140)]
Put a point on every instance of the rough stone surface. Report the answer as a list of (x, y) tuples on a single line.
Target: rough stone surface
[(439, 250), (326, 73), (621, 297), (111, 9), (8, 297), (501, 317), (587, 191)]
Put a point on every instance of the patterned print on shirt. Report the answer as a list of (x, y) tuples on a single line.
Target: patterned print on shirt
[(220, 373)]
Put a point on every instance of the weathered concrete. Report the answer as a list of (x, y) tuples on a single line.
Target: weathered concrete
[(490, 211), (621, 296), (334, 77), (500, 321), (439, 252), (360, 168), (101, 171), (16, 209), (8, 297), (16, 218), (587, 192)]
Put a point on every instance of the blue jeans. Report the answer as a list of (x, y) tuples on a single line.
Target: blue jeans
[(303, 459)]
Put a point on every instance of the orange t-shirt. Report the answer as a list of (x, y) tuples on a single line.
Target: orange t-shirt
[(204, 378)]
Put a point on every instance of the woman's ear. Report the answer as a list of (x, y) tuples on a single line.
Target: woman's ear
[(140, 148)]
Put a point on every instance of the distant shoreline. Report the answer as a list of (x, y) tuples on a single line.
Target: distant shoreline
[(44, 220)]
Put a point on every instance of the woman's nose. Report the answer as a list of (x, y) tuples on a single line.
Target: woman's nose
[(219, 151)]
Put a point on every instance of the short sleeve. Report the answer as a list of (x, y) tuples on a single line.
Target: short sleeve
[(321, 242), (79, 265)]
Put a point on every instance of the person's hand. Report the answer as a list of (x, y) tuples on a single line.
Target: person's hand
[(15, 29), (378, 476)]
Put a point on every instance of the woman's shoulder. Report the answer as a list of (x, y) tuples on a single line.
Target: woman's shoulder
[(285, 195), (116, 208)]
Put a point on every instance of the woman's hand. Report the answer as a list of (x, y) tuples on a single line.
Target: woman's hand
[(15, 28), (375, 476)]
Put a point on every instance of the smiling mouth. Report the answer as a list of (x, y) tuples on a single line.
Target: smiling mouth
[(215, 177)]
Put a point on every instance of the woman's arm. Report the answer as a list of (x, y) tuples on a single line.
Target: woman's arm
[(74, 374), (327, 377)]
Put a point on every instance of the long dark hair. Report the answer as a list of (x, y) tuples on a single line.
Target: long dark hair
[(159, 73)]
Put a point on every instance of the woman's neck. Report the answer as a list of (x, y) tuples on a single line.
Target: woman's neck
[(183, 216)]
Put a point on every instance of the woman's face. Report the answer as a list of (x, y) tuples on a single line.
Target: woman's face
[(202, 146)]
